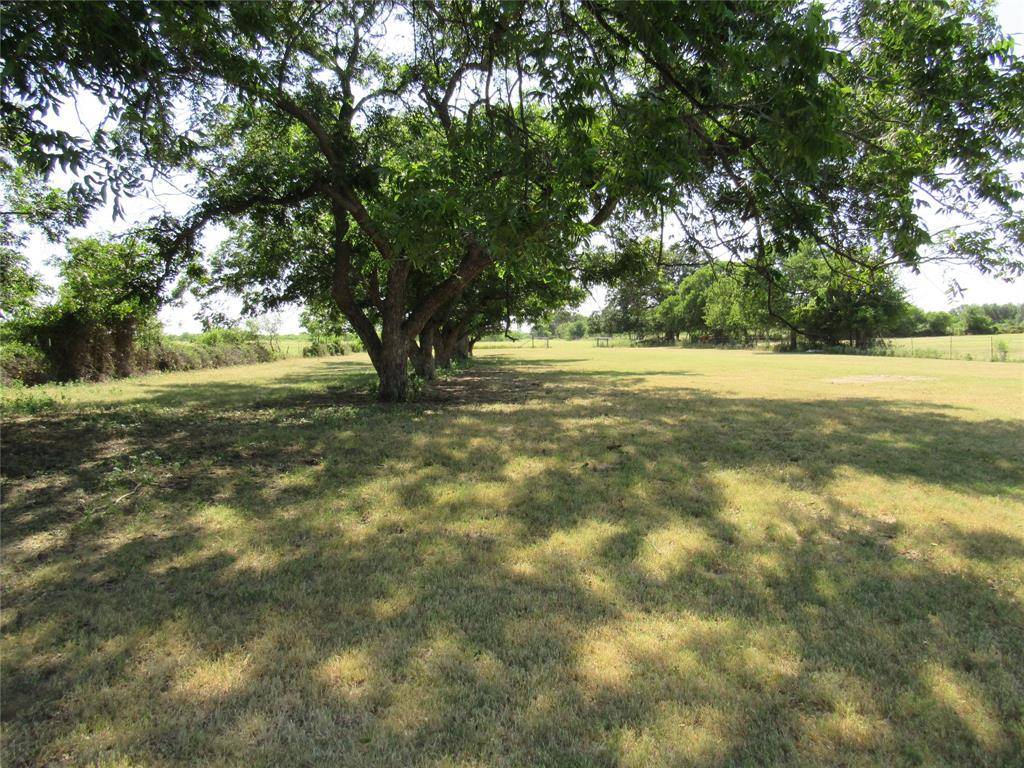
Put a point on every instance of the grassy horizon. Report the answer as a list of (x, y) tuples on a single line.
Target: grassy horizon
[(560, 556)]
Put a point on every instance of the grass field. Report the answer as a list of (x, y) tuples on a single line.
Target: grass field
[(987, 348), (563, 556), (291, 347)]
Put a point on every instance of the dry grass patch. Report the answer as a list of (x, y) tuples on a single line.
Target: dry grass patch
[(580, 557)]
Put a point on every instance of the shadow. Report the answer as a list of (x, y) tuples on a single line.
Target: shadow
[(527, 567)]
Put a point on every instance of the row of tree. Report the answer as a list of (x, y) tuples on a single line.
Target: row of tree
[(726, 302), (432, 171)]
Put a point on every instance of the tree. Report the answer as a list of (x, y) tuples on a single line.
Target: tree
[(668, 317), (507, 133), (693, 296), (436, 191), (829, 307), (109, 290), (911, 321), (641, 274), (973, 320), (562, 323), (926, 115), (28, 204), (938, 323), (19, 285), (733, 308)]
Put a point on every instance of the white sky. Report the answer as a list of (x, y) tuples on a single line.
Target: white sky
[(928, 289)]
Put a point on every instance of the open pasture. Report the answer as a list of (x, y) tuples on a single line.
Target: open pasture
[(998, 346), (560, 556)]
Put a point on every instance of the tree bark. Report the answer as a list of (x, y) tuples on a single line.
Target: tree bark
[(123, 346), (392, 367), (442, 352), (423, 358), (392, 370), (342, 288), (446, 342), (473, 263)]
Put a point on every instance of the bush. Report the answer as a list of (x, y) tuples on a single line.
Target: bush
[(325, 346), (30, 363), (20, 362), (226, 337), (204, 352), (577, 329)]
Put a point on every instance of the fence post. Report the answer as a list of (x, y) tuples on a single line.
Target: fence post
[(950, 347)]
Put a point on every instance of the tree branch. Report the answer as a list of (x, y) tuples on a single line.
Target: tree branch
[(470, 267), (604, 212), (341, 287)]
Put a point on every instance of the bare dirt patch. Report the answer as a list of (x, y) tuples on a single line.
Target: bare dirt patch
[(878, 378)]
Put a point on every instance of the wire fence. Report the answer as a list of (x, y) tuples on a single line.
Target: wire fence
[(1000, 347)]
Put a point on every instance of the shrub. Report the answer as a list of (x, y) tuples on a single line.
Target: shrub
[(577, 329), (324, 348), (226, 337), (20, 362), (31, 363), (204, 352)]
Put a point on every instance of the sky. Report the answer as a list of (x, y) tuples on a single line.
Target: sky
[(928, 289)]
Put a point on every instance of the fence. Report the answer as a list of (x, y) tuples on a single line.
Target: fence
[(1001, 347)]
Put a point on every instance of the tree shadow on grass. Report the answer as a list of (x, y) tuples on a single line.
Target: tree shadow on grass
[(554, 577)]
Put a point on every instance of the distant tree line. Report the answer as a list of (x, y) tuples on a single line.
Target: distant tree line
[(807, 300)]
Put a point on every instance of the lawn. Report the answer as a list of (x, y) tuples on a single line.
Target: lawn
[(562, 556)]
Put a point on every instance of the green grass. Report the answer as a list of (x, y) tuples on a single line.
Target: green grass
[(291, 345), (564, 556), (986, 348)]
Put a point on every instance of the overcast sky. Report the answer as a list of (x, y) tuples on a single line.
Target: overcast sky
[(928, 289)]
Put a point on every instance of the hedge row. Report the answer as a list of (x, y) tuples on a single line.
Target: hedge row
[(30, 365)]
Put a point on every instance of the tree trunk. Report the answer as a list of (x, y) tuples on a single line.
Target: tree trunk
[(792, 339), (442, 352), (124, 345), (447, 344), (392, 371), (423, 359)]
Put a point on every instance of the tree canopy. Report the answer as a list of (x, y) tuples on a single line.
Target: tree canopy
[(387, 156)]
